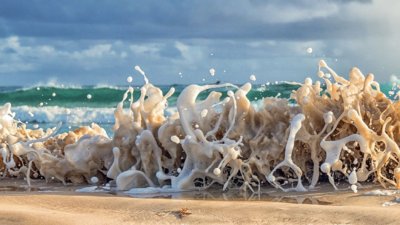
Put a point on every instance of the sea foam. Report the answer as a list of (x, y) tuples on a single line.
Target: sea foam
[(345, 131)]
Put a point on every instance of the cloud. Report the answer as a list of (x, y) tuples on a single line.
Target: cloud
[(91, 41), (153, 19), (145, 48), (95, 51)]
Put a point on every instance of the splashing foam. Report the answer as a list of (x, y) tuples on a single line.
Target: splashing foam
[(349, 131)]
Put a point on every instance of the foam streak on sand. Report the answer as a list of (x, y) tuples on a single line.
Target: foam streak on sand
[(349, 132)]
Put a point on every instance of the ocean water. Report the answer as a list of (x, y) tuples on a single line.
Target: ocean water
[(45, 106)]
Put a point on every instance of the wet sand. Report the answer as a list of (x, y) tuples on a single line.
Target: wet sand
[(322, 207)]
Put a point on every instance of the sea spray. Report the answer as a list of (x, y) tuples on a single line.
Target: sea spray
[(344, 128)]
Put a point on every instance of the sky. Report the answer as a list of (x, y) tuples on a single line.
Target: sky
[(99, 42)]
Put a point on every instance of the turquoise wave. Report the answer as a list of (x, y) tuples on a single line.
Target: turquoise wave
[(104, 97)]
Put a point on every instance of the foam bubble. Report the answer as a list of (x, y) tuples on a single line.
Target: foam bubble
[(253, 77), (94, 180), (212, 72), (89, 96), (217, 171), (129, 79), (309, 50)]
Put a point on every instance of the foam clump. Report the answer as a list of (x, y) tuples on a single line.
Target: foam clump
[(339, 129)]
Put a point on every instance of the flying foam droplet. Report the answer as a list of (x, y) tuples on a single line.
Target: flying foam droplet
[(212, 72), (94, 180), (137, 68), (309, 50), (129, 79), (175, 139), (253, 77), (41, 104), (89, 96), (38, 88), (35, 126), (54, 94)]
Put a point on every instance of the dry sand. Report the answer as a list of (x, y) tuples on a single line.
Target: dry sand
[(66, 208)]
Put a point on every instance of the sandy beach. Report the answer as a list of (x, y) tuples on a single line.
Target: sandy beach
[(100, 208)]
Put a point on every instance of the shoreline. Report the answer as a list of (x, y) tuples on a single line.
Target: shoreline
[(101, 208)]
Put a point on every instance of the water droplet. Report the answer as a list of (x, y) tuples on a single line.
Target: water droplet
[(129, 79), (212, 72)]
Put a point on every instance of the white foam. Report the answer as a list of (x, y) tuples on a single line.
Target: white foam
[(212, 72), (90, 189), (395, 201), (129, 79), (152, 190), (54, 114), (94, 180), (379, 192), (175, 139)]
